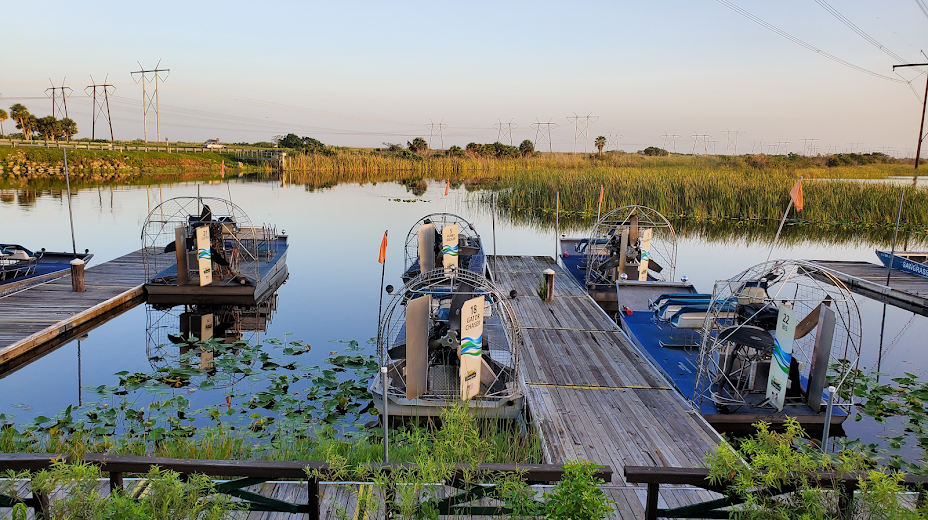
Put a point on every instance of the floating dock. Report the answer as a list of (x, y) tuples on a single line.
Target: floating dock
[(593, 395), (905, 290), (47, 314)]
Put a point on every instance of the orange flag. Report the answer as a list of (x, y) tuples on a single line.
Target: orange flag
[(602, 191), (447, 187), (222, 169), (796, 194), (383, 249)]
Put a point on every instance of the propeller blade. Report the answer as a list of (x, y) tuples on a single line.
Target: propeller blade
[(464, 292), (426, 247), (417, 346), (654, 266), (612, 263), (633, 233)]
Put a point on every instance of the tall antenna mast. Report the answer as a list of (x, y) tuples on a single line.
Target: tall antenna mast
[(147, 100)]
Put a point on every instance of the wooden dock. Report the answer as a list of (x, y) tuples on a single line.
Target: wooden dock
[(906, 291), (592, 394), (43, 315)]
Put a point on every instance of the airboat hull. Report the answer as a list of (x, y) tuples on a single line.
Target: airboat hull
[(18, 275), (272, 273), (508, 408), (906, 261)]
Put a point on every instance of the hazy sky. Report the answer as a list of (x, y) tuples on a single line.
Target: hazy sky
[(358, 74)]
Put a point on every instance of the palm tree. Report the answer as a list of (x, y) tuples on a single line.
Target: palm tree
[(527, 148), (48, 126), (600, 143), (67, 127), (21, 115), (3, 117)]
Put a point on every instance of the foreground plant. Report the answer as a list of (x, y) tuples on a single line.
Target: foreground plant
[(776, 475)]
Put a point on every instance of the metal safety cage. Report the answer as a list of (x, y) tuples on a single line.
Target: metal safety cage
[(442, 284), (465, 230), (604, 239), (726, 374), (244, 244)]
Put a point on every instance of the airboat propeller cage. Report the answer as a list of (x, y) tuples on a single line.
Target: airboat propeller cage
[(633, 240), (466, 303), (423, 239), (825, 334), (175, 222)]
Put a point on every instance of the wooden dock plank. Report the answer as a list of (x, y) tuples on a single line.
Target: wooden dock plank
[(591, 393), (905, 290), (42, 312)]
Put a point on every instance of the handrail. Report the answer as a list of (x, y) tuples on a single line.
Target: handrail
[(251, 472), (699, 477)]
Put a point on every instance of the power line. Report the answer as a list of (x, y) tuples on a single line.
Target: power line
[(799, 42), (59, 102), (436, 130), (148, 100), (100, 105), (923, 7), (504, 130), (543, 130), (585, 131)]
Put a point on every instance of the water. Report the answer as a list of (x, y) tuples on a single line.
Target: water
[(334, 285)]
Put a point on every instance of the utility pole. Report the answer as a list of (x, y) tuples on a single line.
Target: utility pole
[(731, 143), (808, 146), (543, 130), (921, 124), (504, 130), (99, 105), (148, 100), (435, 130), (614, 141), (585, 132), (62, 103)]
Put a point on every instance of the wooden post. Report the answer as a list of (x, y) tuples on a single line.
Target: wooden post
[(549, 284), (314, 500), (650, 508), (180, 245), (77, 275), (116, 482)]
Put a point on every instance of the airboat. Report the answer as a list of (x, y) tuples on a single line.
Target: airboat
[(717, 348), (448, 336), (20, 267), (443, 239), (205, 251)]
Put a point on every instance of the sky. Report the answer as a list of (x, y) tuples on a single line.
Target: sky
[(366, 73)]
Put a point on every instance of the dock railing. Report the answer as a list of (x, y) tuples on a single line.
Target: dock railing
[(844, 483), (245, 473)]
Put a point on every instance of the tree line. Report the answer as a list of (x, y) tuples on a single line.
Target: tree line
[(48, 127)]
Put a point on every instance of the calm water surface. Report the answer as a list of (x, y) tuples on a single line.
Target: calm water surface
[(334, 284)]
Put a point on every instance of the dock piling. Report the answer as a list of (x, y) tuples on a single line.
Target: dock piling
[(77, 275), (549, 284)]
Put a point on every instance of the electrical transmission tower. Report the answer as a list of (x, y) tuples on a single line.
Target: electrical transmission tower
[(672, 139), (712, 142), (808, 146), (59, 101), (543, 131), (584, 131), (504, 130), (147, 100), (731, 143), (99, 104), (613, 140), (703, 139), (435, 130)]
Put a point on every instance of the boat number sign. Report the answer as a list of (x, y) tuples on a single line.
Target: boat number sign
[(471, 347), (204, 259), (449, 247), (782, 354)]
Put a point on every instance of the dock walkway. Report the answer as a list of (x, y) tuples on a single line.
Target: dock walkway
[(905, 290), (592, 394), (50, 311)]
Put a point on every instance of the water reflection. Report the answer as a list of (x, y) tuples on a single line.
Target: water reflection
[(171, 333)]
